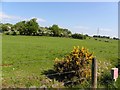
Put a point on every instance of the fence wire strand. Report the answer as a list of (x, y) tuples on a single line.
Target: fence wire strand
[(60, 73)]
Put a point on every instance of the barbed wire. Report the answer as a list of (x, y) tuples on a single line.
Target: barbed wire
[(48, 75), (34, 61), (55, 73), (60, 73), (73, 71), (75, 80), (11, 64), (67, 82)]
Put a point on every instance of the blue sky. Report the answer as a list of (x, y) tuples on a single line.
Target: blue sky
[(82, 17)]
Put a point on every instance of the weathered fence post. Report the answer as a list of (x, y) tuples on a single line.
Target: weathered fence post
[(94, 73)]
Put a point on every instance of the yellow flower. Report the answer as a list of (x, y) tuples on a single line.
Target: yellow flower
[(74, 47), (81, 54), (76, 55), (77, 62), (91, 57), (78, 47), (56, 59), (67, 61), (86, 58), (82, 47)]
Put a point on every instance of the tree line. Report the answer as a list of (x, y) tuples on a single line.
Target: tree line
[(107, 37), (32, 28)]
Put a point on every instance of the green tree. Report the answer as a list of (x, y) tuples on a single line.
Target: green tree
[(21, 27), (55, 29), (0, 27), (32, 27), (66, 33), (6, 27), (78, 36)]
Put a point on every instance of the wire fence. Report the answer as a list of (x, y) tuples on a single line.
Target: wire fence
[(26, 62), (47, 75), (65, 82), (60, 73)]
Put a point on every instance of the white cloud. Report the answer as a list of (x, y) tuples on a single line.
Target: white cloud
[(81, 27), (10, 18), (4, 16), (39, 19), (105, 29)]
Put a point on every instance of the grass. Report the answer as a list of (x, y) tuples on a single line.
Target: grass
[(26, 57)]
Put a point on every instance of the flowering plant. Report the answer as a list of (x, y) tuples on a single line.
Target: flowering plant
[(78, 61)]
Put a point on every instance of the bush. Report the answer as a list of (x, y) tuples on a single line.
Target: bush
[(7, 33), (78, 62), (78, 36), (106, 80), (14, 33)]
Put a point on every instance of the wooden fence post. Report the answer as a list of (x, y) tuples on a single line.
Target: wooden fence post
[(94, 73)]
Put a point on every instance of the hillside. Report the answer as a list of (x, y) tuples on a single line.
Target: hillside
[(26, 57)]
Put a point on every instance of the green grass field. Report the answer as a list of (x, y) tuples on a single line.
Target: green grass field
[(26, 57)]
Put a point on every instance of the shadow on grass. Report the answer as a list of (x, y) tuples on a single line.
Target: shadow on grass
[(71, 81), (67, 78)]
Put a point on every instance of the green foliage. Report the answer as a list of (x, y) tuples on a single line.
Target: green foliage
[(78, 36), (55, 30), (79, 61), (21, 27), (27, 27), (6, 27), (117, 83), (14, 33), (24, 27), (98, 36), (59, 32), (32, 55), (107, 81), (7, 33), (32, 27)]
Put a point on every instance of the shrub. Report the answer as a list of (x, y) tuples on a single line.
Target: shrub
[(106, 80), (7, 33), (78, 36), (14, 33), (78, 62)]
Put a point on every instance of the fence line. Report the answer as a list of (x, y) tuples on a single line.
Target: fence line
[(73, 71), (74, 81), (34, 61), (64, 73), (55, 73), (60, 73), (26, 62)]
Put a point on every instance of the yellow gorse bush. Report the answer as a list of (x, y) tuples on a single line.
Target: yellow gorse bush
[(79, 60)]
